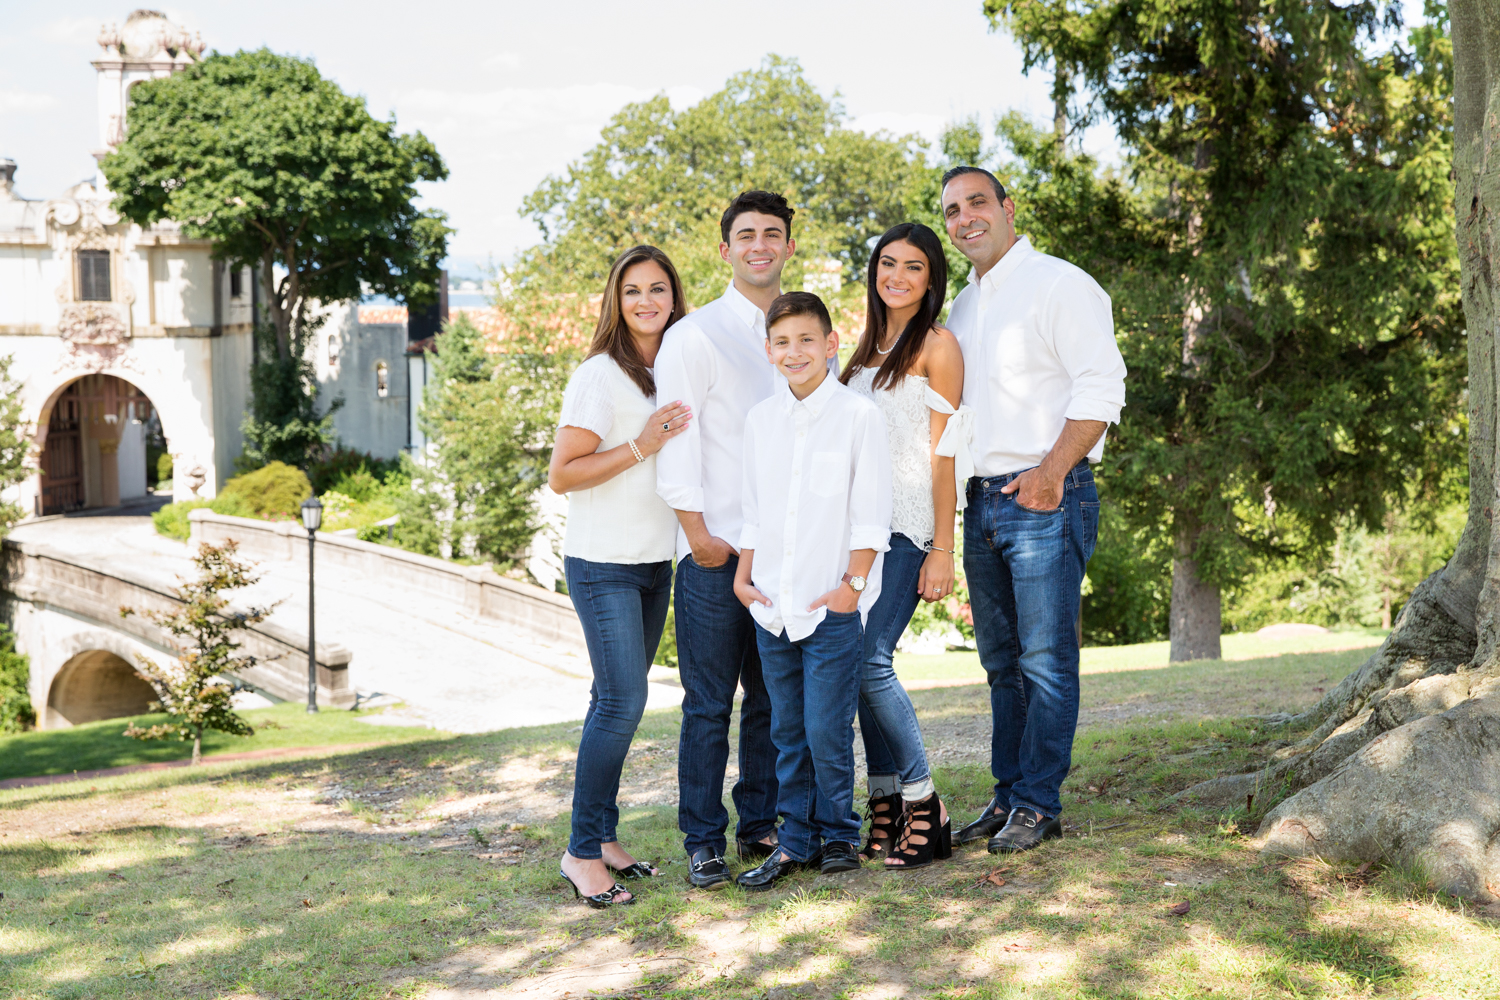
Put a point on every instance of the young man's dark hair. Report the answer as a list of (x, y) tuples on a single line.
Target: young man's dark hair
[(764, 202), (960, 171), (799, 304)]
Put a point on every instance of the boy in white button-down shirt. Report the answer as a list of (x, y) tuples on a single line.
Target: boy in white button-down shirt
[(817, 515)]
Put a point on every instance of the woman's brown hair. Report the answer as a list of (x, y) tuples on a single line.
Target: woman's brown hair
[(908, 346), (612, 336)]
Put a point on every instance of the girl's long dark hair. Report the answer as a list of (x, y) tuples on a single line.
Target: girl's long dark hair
[(612, 336), (908, 346)]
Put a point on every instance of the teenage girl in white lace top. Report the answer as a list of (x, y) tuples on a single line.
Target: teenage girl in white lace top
[(617, 552), (914, 371)]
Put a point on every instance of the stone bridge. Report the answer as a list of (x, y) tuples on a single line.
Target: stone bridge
[(464, 648)]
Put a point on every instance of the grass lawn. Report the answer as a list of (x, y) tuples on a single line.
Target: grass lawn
[(964, 665), (428, 867), (97, 745)]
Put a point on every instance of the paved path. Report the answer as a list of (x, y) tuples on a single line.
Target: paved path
[(459, 673)]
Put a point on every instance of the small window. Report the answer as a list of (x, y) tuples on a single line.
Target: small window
[(93, 275), (382, 380), (236, 283)]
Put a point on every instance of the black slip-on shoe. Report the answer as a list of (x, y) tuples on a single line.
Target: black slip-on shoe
[(706, 870), (1024, 830), (772, 870), (754, 850), (989, 823), (838, 857)]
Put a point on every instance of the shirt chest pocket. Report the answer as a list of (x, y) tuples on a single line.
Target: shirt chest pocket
[(830, 473)]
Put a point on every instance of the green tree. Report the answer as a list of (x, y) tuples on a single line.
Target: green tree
[(664, 177), (489, 413), (195, 692), (16, 713), (286, 173), (1280, 253), (15, 443)]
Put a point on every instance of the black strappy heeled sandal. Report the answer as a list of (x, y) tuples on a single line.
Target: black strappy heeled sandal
[(600, 900), (885, 826), (641, 869), (922, 839)]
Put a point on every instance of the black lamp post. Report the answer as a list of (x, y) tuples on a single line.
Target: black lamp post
[(312, 519)]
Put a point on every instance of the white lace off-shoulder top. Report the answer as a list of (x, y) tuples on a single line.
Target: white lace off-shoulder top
[(909, 431)]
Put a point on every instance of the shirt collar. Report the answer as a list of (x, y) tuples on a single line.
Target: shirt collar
[(746, 310), (1007, 264), (816, 401)]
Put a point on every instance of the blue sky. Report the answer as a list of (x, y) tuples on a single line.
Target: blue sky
[(511, 92)]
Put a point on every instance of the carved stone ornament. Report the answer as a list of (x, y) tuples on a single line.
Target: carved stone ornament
[(96, 323)]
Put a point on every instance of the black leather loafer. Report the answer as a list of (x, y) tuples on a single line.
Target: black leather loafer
[(838, 857), (706, 870), (753, 850), (987, 825), (775, 868), (1024, 830)]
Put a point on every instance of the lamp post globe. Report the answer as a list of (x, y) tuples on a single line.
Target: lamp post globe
[(312, 520)]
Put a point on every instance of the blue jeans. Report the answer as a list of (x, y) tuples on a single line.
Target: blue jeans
[(893, 739), (1024, 571), (715, 654), (623, 608), (813, 684)]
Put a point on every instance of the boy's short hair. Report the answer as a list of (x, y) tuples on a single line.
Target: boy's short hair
[(798, 304), (764, 202)]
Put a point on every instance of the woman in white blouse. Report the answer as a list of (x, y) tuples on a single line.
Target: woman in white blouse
[(617, 552), (914, 371)]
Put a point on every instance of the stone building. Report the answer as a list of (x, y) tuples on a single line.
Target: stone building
[(122, 336)]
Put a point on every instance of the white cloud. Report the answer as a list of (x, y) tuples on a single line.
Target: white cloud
[(21, 101), (504, 60), (72, 30)]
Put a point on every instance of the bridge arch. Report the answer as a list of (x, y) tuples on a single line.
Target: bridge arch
[(96, 680)]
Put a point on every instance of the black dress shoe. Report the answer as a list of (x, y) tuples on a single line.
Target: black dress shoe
[(706, 870), (838, 857), (987, 825), (752, 850), (1024, 830), (775, 868)]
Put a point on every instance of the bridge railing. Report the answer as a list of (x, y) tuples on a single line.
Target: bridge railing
[(535, 614)]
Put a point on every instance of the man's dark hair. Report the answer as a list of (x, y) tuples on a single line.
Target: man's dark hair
[(764, 202), (960, 171), (798, 304)]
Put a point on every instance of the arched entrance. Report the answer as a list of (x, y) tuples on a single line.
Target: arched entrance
[(95, 684), (95, 452)]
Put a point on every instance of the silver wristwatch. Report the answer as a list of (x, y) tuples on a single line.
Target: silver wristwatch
[(856, 583)]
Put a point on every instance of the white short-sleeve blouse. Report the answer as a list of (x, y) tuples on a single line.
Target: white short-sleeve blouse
[(622, 520)]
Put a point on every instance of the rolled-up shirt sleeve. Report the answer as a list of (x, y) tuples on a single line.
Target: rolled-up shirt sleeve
[(870, 486), (750, 502), (1083, 337), (684, 371)]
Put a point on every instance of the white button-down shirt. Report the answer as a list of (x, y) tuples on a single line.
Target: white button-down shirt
[(817, 486), (1039, 349), (713, 359)]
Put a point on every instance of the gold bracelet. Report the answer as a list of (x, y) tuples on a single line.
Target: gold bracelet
[(636, 451)]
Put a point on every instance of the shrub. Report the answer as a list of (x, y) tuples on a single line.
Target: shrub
[(172, 520), (274, 492), (340, 464), (16, 714), (359, 486), (163, 467)]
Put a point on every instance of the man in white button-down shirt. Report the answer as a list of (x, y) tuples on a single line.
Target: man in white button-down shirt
[(1045, 379), (714, 360)]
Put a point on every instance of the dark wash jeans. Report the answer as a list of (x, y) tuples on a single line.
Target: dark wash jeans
[(1024, 571), (716, 654), (814, 684), (623, 608), (887, 721)]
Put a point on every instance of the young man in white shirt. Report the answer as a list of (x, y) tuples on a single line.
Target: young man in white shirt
[(714, 360), (817, 515), (1045, 379)]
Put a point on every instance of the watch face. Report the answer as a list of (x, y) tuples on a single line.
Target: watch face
[(858, 583)]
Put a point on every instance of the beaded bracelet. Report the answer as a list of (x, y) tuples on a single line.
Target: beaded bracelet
[(636, 451)]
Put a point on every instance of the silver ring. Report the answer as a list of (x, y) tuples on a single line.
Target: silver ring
[(667, 426)]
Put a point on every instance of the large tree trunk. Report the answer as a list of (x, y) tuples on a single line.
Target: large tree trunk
[(1196, 616), (1403, 760)]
